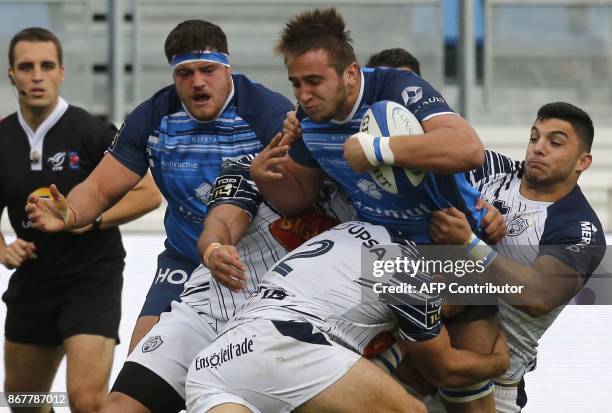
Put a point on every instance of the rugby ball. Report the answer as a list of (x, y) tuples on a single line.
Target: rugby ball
[(386, 118)]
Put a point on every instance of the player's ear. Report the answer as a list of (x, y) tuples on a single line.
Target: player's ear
[(584, 162), (10, 75), (352, 73)]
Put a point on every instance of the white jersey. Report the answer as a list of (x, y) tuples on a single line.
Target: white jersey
[(566, 229), (267, 239), (322, 283)]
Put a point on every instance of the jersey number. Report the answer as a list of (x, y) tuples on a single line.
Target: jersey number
[(321, 248)]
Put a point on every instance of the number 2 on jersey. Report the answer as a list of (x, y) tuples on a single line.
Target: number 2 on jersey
[(321, 248)]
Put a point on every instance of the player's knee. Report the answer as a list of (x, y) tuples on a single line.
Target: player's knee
[(85, 400)]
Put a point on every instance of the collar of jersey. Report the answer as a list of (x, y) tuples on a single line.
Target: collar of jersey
[(227, 101), (37, 138), (357, 103)]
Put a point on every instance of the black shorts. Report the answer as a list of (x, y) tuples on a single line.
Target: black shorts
[(46, 314)]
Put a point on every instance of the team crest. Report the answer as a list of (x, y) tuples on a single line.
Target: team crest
[(517, 226), (152, 344)]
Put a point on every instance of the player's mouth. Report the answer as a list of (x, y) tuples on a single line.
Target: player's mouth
[(537, 164), (201, 99), (311, 109), (37, 92)]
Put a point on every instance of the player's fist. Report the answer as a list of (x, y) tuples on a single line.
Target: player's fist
[(291, 128), (493, 223), (355, 155), (224, 264), (449, 227), (14, 254)]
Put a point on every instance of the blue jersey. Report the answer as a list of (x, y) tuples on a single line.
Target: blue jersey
[(408, 212), (185, 155)]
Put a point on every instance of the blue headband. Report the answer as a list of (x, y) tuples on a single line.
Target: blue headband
[(204, 56)]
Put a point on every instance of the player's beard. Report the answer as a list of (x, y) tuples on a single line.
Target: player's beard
[(338, 104)]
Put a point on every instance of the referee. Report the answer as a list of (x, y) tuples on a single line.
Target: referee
[(64, 297)]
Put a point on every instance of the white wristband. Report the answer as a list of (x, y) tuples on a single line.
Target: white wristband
[(376, 149)]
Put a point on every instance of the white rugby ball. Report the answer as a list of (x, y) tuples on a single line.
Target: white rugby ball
[(386, 118)]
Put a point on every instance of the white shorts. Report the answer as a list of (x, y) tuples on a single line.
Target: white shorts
[(267, 366), (172, 344), (505, 399)]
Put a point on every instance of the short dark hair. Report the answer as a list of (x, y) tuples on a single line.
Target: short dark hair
[(578, 118), (318, 29), (195, 35), (395, 57), (34, 34)]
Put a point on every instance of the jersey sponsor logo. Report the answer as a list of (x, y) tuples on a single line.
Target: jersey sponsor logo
[(226, 186), (587, 229), (179, 165), (517, 226), (173, 277), (369, 188), (431, 100), (293, 232), (224, 355), (151, 344), (57, 161), (73, 160), (190, 216), (358, 231), (412, 94), (408, 214)]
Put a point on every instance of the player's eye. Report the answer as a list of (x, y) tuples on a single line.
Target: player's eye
[(209, 70), (25, 67), (48, 66), (183, 73)]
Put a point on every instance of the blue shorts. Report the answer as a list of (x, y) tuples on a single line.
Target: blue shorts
[(173, 270)]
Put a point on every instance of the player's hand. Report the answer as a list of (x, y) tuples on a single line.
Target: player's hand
[(449, 227), (291, 128), (49, 214), (224, 264), (16, 253), (493, 223), (501, 353), (355, 156), (268, 164)]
